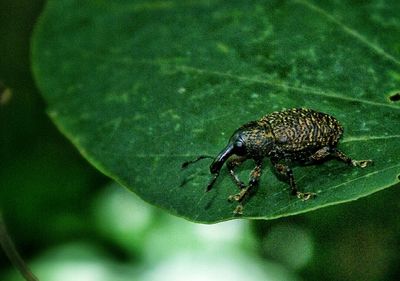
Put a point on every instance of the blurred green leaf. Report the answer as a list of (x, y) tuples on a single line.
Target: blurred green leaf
[(139, 87), (357, 241), (45, 185)]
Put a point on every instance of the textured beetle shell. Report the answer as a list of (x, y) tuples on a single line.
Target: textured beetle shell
[(303, 129)]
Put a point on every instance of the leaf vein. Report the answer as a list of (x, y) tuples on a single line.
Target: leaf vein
[(273, 83), (282, 84), (352, 32), (369, 138)]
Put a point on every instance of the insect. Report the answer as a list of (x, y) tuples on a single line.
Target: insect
[(294, 135)]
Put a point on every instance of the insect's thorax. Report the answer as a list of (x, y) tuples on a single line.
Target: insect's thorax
[(259, 139)]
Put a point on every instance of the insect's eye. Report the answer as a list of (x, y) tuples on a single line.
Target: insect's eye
[(239, 147), (239, 144)]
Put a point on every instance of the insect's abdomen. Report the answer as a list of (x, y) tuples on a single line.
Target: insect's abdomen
[(303, 129)]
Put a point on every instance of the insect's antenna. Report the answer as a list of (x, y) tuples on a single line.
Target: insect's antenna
[(187, 163)]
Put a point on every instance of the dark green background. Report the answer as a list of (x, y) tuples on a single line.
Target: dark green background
[(50, 196)]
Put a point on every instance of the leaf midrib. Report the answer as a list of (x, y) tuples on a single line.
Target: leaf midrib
[(354, 33)]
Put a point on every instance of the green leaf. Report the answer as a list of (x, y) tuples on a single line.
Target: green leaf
[(142, 86)]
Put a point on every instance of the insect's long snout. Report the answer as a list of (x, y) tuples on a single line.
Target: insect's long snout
[(216, 165)]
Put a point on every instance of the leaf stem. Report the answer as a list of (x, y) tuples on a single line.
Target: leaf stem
[(12, 253)]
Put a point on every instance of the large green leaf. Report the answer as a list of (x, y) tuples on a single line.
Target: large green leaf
[(141, 86)]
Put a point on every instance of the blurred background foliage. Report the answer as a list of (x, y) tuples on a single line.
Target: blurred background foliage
[(71, 223)]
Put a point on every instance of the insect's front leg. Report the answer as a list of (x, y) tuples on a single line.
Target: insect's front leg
[(232, 163), (246, 190)]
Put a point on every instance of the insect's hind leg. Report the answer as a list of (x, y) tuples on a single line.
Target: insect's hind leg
[(343, 157), (326, 151), (320, 154)]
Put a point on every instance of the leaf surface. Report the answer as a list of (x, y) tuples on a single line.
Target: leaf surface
[(141, 86)]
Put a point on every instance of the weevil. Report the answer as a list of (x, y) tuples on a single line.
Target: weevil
[(294, 135)]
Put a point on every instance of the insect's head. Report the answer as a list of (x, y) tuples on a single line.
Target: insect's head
[(240, 144), (236, 145)]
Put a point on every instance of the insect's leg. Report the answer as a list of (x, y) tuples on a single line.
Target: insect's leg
[(232, 163), (286, 171), (320, 154), (343, 157), (245, 191)]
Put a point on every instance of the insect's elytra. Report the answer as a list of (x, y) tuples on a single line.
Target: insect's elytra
[(298, 134)]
